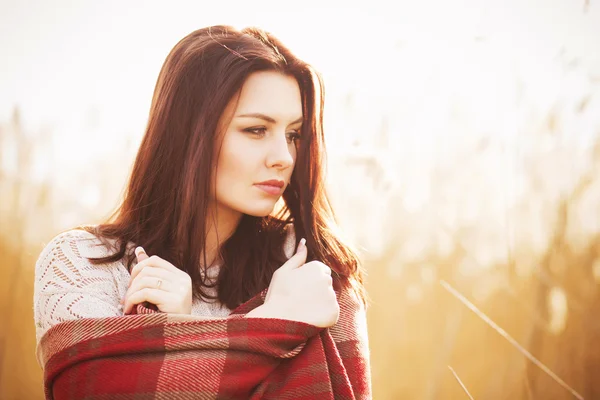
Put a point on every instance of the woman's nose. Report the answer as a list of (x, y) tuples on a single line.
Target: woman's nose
[(280, 154)]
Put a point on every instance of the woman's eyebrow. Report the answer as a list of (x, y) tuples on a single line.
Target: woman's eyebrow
[(265, 117)]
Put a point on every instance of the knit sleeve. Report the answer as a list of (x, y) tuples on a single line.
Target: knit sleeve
[(352, 342), (67, 286)]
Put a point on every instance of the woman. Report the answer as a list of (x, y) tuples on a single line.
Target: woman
[(235, 124)]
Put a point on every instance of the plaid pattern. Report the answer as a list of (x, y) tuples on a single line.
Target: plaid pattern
[(153, 355)]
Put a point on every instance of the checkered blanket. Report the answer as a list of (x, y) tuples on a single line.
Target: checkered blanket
[(154, 355)]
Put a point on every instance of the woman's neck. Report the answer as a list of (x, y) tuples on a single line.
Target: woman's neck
[(221, 226)]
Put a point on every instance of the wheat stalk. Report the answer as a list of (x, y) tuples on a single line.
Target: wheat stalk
[(509, 338)]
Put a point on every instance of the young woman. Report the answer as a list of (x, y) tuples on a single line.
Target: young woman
[(235, 125)]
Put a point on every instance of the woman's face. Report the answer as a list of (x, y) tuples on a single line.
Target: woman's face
[(259, 144)]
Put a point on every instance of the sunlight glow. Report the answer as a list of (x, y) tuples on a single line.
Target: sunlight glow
[(463, 149)]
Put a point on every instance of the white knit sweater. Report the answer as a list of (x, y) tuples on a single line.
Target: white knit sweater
[(67, 286)]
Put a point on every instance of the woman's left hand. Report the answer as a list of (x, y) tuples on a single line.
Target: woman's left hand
[(159, 282)]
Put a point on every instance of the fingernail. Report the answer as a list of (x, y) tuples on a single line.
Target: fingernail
[(139, 250), (302, 243)]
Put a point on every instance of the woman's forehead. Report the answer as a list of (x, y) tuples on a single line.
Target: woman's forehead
[(271, 94)]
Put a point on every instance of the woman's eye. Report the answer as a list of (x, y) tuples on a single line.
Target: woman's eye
[(293, 136), (256, 131)]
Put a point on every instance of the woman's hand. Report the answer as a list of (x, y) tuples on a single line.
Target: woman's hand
[(159, 282), (301, 292)]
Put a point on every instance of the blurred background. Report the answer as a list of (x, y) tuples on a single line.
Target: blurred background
[(464, 163)]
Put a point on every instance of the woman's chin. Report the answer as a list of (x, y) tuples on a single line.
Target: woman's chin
[(259, 214), (259, 211)]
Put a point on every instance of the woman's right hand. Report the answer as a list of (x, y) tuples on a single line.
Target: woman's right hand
[(302, 292)]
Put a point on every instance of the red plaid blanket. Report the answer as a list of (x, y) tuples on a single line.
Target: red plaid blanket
[(153, 355)]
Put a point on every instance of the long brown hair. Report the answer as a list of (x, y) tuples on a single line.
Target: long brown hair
[(165, 205)]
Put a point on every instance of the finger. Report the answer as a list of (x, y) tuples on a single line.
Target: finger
[(297, 259), (318, 266), (148, 274), (156, 272), (154, 296), (140, 253), (154, 261), (134, 299)]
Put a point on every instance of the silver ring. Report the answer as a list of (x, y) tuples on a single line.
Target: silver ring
[(159, 283)]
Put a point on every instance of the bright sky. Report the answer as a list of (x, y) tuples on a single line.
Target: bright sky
[(62, 57)]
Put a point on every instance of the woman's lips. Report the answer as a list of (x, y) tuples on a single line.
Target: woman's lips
[(270, 189)]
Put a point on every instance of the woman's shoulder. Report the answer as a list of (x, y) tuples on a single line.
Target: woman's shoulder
[(78, 242), (64, 262), (68, 286)]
